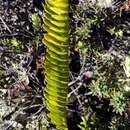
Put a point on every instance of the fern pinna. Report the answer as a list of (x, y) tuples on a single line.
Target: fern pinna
[(56, 24)]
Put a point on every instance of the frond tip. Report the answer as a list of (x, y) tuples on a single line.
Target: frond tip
[(56, 66)]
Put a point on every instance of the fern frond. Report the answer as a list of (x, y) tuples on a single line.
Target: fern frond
[(56, 63)]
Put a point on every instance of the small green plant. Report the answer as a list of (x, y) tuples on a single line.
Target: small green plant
[(36, 22), (83, 125), (118, 102), (16, 44)]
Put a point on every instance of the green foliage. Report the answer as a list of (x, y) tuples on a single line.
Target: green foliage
[(13, 44), (87, 16), (89, 120), (101, 38), (118, 102), (36, 22), (56, 66), (114, 123), (119, 123), (117, 33), (83, 124), (11, 49)]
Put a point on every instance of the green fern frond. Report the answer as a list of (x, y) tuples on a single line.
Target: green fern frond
[(56, 66)]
